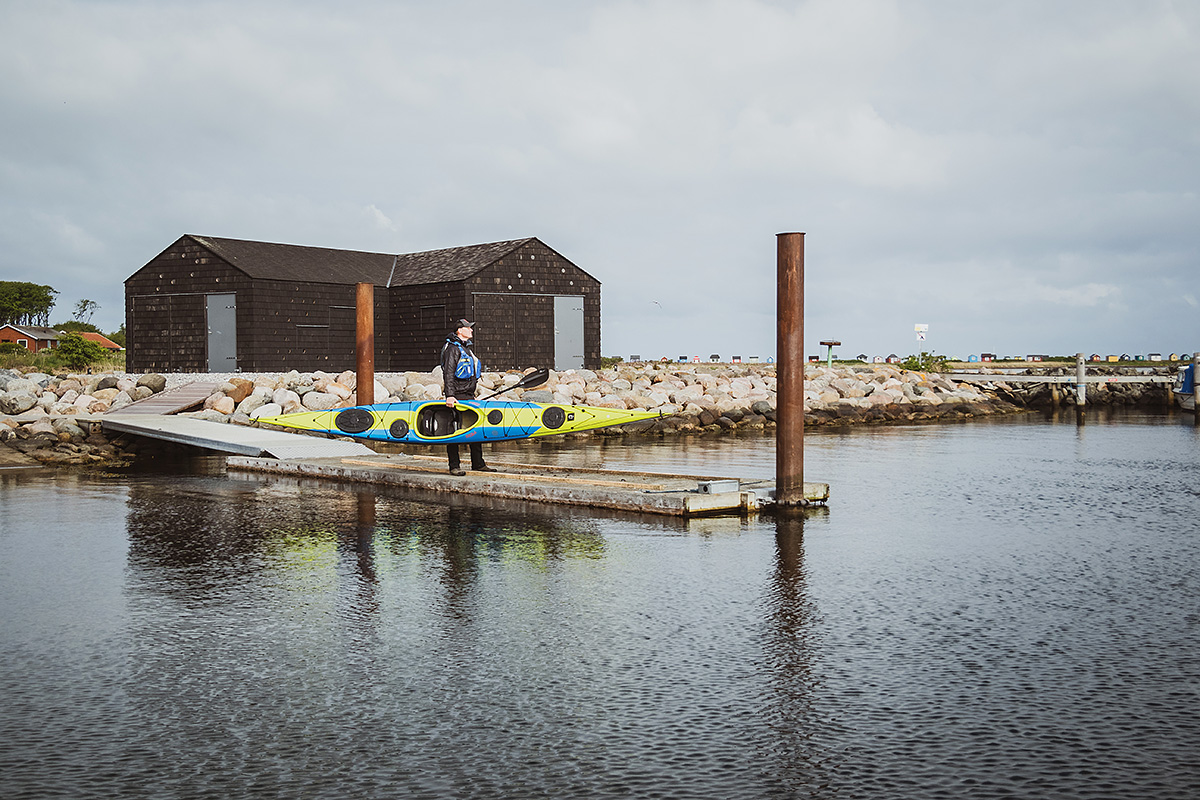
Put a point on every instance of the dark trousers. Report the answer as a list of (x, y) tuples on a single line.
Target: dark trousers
[(476, 449)]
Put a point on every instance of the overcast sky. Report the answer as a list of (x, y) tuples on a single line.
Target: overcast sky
[(1020, 176)]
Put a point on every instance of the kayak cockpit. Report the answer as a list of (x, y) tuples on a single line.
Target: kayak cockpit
[(438, 420)]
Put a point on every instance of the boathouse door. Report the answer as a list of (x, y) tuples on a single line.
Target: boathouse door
[(222, 332), (568, 333)]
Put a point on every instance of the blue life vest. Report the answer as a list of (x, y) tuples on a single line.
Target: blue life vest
[(468, 365)]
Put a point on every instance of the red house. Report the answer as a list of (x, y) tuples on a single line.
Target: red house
[(101, 339), (31, 337)]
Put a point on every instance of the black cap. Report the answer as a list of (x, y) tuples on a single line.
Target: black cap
[(463, 323)]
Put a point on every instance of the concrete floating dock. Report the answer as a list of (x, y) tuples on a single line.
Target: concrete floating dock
[(646, 492), (253, 449)]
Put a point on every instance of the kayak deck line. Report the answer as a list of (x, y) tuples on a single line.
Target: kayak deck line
[(644, 492)]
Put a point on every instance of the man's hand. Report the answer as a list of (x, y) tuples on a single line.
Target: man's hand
[(450, 402)]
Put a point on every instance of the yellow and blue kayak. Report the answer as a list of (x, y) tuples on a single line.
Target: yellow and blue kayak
[(434, 422)]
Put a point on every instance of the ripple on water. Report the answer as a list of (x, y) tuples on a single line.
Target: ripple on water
[(1001, 610)]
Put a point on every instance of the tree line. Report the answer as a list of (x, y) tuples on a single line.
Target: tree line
[(23, 303)]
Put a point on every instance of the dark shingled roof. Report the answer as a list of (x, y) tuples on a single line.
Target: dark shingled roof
[(34, 331), (267, 261)]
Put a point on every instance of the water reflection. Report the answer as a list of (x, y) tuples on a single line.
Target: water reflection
[(986, 610), (790, 646)]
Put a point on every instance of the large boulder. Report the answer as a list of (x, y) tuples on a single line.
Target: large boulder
[(223, 405), (251, 404), (154, 382), (22, 386), (120, 401), (16, 402), (320, 401), (67, 425), (267, 410), (287, 400), (238, 389)]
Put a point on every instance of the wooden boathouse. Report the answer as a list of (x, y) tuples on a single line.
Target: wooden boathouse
[(208, 304)]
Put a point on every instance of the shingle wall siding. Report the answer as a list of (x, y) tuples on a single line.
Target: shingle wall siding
[(420, 319), (512, 300), (165, 308), (308, 326)]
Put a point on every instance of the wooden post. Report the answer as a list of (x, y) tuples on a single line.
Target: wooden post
[(789, 371), (364, 361), (1195, 394), (1080, 388)]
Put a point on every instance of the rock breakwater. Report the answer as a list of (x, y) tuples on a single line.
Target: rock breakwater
[(52, 418)]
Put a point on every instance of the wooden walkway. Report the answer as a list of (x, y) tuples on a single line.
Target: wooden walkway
[(172, 401), (154, 418)]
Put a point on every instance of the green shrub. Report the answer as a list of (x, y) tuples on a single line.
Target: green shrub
[(925, 362), (77, 352)]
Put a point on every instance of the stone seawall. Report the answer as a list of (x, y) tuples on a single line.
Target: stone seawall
[(50, 417)]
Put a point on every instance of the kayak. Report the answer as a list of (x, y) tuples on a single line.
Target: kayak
[(434, 422)]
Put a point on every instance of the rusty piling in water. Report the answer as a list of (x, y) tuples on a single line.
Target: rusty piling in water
[(364, 351), (789, 371)]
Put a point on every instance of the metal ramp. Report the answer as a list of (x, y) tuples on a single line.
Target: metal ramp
[(234, 439)]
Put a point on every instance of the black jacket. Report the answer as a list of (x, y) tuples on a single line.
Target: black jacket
[(458, 388)]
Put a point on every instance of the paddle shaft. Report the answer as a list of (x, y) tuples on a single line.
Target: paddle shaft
[(535, 378)]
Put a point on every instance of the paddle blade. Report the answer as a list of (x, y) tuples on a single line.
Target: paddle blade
[(535, 378)]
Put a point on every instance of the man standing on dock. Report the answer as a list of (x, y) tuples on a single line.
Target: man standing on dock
[(460, 375)]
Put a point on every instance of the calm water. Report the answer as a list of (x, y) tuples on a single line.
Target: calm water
[(994, 609)]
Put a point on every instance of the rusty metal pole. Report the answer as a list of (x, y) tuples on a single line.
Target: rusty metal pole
[(364, 352), (789, 370)]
